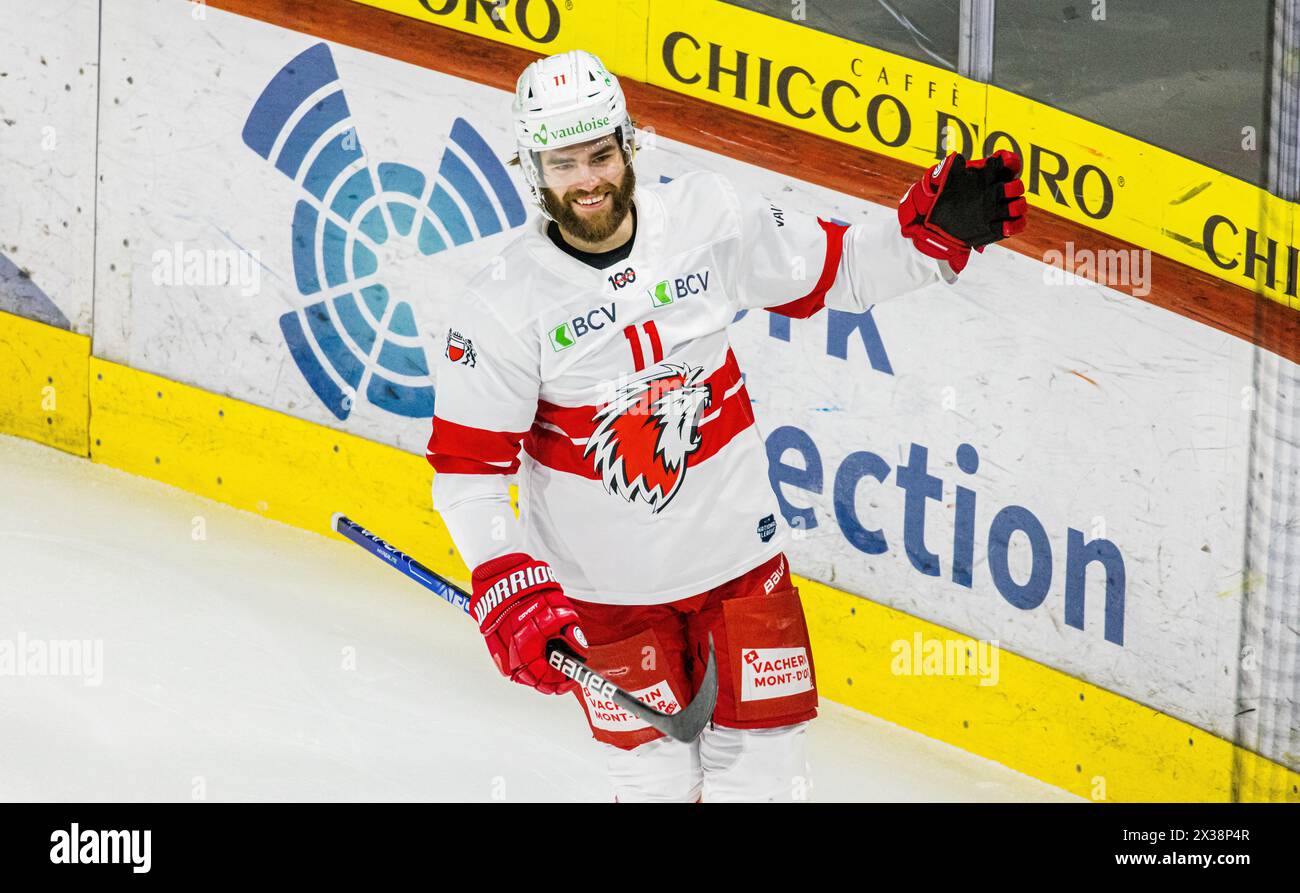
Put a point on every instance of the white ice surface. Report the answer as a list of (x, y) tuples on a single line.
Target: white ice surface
[(225, 670)]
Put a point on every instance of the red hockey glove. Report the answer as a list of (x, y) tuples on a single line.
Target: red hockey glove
[(520, 608), (957, 206)]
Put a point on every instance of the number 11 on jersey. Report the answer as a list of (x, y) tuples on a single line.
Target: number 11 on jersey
[(644, 333)]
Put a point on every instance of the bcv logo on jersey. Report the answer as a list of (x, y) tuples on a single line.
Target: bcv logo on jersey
[(566, 334), (669, 290)]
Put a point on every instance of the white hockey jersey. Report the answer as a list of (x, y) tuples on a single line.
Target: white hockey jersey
[(615, 396)]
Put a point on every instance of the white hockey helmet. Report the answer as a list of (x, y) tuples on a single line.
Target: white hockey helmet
[(563, 100)]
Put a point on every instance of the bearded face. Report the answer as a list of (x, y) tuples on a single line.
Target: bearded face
[(589, 188)]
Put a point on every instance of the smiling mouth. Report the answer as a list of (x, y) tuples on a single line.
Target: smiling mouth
[(591, 201)]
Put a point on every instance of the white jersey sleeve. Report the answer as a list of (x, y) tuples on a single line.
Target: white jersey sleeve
[(487, 387), (794, 263)]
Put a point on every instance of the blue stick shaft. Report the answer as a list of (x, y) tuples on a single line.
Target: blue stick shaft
[(405, 563)]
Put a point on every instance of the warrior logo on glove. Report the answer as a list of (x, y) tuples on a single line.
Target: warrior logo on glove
[(962, 205), (520, 610), (645, 434)]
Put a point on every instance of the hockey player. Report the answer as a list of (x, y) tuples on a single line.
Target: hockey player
[(593, 360)]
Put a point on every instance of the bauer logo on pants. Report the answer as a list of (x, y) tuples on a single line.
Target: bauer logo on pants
[(607, 715), (774, 673)]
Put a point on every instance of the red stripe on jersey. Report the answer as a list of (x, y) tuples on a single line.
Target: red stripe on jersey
[(575, 421), (725, 375), (802, 308), (558, 452), (737, 415), (462, 449), (580, 421)]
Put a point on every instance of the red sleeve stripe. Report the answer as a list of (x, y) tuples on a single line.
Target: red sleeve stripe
[(459, 465), (815, 300), (462, 449)]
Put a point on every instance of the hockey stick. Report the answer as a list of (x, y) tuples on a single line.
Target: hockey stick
[(684, 725)]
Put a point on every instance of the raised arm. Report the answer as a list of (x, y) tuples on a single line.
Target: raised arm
[(795, 264)]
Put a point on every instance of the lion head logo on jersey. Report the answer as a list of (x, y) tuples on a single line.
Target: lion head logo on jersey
[(645, 433)]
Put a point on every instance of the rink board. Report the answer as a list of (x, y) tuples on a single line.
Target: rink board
[(264, 462), (1045, 723), (43, 394), (1148, 458), (1036, 719), (1125, 431), (783, 71), (1129, 426), (48, 95)]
